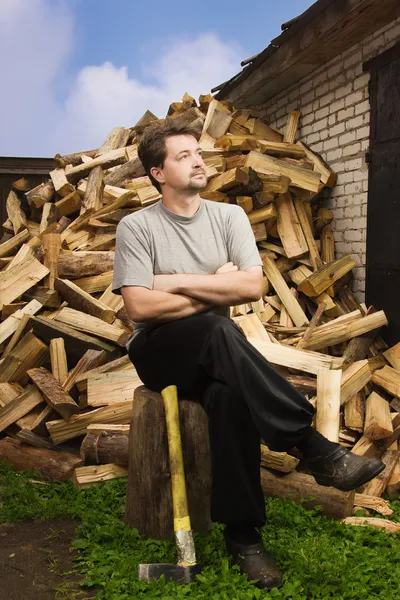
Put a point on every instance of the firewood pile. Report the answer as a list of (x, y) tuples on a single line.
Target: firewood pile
[(64, 370)]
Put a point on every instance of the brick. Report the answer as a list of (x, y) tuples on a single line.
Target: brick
[(314, 137), (362, 107), (392, 34), (361, 82), (354, 57), (345, 114), (334, 155), (331, 119), (308, 119), (327, 99), (322, 112), (344, 90), (352, 211), (337, 129), (334, 70), (345, 177), (337, 105), (358, 248), (339, 213), (320, 78), (354, 98), (306, 86), (339, 166), (307, 109), (354, 123), (317, 147), (337, 236), (360, 175), (331, 143), (315, 105), (306, 130), (347, 138), (322, 124), (352, 235), (338, 190), (324, 134), (308, 97), (352, 165), (364, 145), (353, 188), (343, 225), (338, 81), (352, 149), (341, 248), (359, 223), (362, 132)]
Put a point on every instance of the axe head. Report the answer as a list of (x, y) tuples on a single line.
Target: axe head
[(152, 572)]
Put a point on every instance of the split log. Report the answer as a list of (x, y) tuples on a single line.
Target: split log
[(392, 355), (377, 486), (289, 227), (301, 360), (58, 359), (29, 353), (388, 379), (328, 403), (92, 325), (292, 306), (61, 430), (61, 184), (354, 378), (105, 389), (354, 412), (303, 178), (54, 394), (291, 126), (19, 406), (388, 526), (322, 279), (15, 213), (82, 301), (378, 422), (279, 461), (50, 465), (375, 503), (84, 477)]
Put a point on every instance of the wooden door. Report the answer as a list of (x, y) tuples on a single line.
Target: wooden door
[(383, 216)]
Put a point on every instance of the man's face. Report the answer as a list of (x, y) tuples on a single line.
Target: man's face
[(183, 169)]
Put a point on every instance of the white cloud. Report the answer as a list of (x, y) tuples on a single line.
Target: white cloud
[(37, 39)]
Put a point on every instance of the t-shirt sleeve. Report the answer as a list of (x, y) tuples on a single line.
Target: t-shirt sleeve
[(242, 247), (133, 264)]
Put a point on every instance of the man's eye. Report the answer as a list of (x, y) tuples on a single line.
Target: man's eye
[(183, 156)]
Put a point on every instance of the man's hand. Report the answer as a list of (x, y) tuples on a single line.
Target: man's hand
[(227, 268)]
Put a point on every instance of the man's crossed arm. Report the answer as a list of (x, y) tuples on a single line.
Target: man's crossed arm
[(181, 295)]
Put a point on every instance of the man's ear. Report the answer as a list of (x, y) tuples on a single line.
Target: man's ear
[(158, 175)]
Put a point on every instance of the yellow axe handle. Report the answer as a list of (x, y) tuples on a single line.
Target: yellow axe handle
[(179, 498)]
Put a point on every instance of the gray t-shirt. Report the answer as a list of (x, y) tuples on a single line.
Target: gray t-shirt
[(156, 241)]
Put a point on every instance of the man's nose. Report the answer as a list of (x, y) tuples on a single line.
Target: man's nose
[(198, 161)]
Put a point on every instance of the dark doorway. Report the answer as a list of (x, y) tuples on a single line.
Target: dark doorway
[(383, 217)]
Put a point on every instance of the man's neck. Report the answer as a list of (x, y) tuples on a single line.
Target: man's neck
[(183, 204)]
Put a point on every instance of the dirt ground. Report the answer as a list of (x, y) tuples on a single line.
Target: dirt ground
[(36, 561)]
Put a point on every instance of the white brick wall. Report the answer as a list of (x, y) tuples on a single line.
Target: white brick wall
[(334, 107)]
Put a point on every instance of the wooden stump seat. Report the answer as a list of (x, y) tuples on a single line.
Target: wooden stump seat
[(149, 496)]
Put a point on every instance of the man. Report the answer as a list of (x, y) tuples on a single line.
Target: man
[(179, 265)]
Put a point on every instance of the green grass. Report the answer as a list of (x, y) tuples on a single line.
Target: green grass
[(320, 558)]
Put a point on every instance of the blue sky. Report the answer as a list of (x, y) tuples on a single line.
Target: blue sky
[(76, 68)]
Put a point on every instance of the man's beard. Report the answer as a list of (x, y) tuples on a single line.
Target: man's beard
[(197, 183)]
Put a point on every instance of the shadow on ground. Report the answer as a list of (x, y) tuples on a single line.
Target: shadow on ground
[(36, 561)]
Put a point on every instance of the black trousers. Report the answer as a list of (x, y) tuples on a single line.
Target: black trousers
[(210, 360)]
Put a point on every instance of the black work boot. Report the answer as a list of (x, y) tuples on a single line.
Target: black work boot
[(344, 470), (255, 562)]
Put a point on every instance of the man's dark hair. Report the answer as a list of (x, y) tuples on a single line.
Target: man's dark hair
[(152, 150)]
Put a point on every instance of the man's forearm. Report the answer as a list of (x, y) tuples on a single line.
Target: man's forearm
[(159, 306), (219, 289)]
